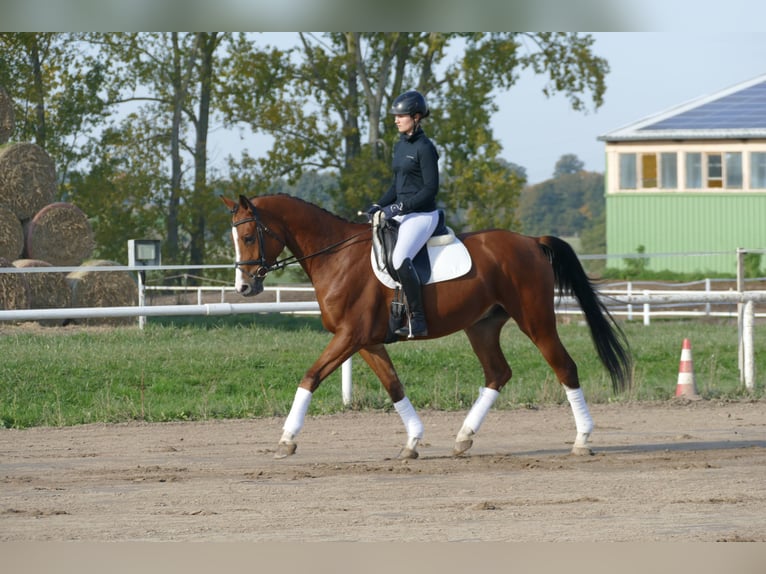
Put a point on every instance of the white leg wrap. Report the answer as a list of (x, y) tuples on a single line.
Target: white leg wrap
[(583, 420), (294, 422), (410, 419), (478, 413)]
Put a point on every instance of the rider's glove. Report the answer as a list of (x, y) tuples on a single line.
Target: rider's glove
[(390, 211)]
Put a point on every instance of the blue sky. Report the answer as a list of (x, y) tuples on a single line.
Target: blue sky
[(650, 72)]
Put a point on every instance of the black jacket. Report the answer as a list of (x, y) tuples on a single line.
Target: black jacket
[(416, 174)]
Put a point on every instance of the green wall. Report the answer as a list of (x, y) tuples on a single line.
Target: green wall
[(685, 223)]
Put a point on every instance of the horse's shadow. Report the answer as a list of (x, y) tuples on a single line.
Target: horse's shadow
[(686, 446)]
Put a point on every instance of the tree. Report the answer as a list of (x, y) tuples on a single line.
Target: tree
[(342, 84), (568, 164), (146, 103), (57, 104), (567, 205)]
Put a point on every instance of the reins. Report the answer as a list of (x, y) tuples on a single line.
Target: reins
[(264, 267)]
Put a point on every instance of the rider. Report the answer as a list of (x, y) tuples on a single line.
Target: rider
[(411, 200)]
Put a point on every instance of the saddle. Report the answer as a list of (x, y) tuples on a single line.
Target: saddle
[(443, 257)]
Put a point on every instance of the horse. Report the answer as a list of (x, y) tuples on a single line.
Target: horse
[(512, 276)]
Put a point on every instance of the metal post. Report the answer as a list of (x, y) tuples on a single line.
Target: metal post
[(141, 297), (747, 345), (346, 382), (740, 311), (647, 311)]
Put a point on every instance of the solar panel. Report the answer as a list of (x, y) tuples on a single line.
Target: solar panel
[(745, 109)]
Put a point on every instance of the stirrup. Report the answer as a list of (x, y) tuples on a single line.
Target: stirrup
[(407, 331)]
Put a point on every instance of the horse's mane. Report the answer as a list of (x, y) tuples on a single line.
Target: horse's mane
[(310, 204)]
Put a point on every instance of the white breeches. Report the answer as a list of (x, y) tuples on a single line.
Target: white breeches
[(414, 231)]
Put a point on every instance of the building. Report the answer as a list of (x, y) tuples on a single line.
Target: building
[(690, 180)]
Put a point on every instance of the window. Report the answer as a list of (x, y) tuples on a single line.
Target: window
[(758, 170), (648, 170), (668, 170), (714, 170), (627, 171), (733, 170), (694, 170)]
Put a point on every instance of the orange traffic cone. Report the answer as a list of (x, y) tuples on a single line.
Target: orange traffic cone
[(686, 386)]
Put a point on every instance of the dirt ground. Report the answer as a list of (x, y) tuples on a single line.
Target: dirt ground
[(675, 471)]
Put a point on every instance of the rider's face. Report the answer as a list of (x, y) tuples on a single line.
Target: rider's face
[(405, 123)]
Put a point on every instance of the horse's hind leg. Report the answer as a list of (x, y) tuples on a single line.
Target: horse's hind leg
[(377, 357), (485, 341)]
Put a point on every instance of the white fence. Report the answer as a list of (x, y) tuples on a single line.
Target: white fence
[(622, 300)]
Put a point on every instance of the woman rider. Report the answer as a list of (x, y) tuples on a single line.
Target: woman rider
[(411, 200)]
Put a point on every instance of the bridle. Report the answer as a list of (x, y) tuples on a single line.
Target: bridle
[(263, 266)]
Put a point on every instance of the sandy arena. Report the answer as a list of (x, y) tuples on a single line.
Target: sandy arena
[(675, 471)]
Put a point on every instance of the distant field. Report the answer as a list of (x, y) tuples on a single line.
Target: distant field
[(237, 367)]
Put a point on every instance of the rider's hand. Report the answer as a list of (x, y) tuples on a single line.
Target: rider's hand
[(390, 211), (372, 210)]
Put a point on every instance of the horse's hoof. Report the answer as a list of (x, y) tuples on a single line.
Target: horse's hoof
[(462, 446), (408, 454), (285, 449), (581, 451)]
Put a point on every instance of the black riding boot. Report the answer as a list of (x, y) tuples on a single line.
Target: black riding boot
[(413, 292)]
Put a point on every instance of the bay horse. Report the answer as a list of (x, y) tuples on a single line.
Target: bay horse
[(512, 276)]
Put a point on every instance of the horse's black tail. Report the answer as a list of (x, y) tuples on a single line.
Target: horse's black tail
[(609, 339)]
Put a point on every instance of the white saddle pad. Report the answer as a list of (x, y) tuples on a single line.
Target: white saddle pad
[(449, 259)]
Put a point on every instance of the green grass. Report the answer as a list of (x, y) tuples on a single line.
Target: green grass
[(236, 367)]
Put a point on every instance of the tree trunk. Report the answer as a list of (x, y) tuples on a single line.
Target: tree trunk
[(208, 44)]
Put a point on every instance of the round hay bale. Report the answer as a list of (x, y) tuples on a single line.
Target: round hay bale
[(60, 234), (11, 235), (7, 116), (103, 289), (14, 289), (27, 179), (46, 290)]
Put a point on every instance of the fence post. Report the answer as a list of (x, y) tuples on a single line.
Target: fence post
[(647, 311), (747, 345), (740, 312), (346, 382), (630, 305), (141, 297)]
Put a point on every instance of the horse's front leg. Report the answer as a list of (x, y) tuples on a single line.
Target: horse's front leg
[(380, 362), (339, 349)]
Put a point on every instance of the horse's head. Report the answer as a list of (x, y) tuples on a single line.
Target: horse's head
[(255, 245)]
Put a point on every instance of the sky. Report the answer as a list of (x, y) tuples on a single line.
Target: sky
[(650, 72)]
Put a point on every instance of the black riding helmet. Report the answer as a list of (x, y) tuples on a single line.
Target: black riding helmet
[(410, 103)]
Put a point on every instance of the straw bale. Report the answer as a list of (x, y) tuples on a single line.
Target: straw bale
[(46, 290), (27, 179), (11, 235), (14, 289), (60, 234), (7, 116), (103, 289)]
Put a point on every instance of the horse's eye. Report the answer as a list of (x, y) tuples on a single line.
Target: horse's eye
[(249, 239)]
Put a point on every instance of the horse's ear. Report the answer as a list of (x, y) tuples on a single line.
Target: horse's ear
[(246, 204), (231, 205)]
